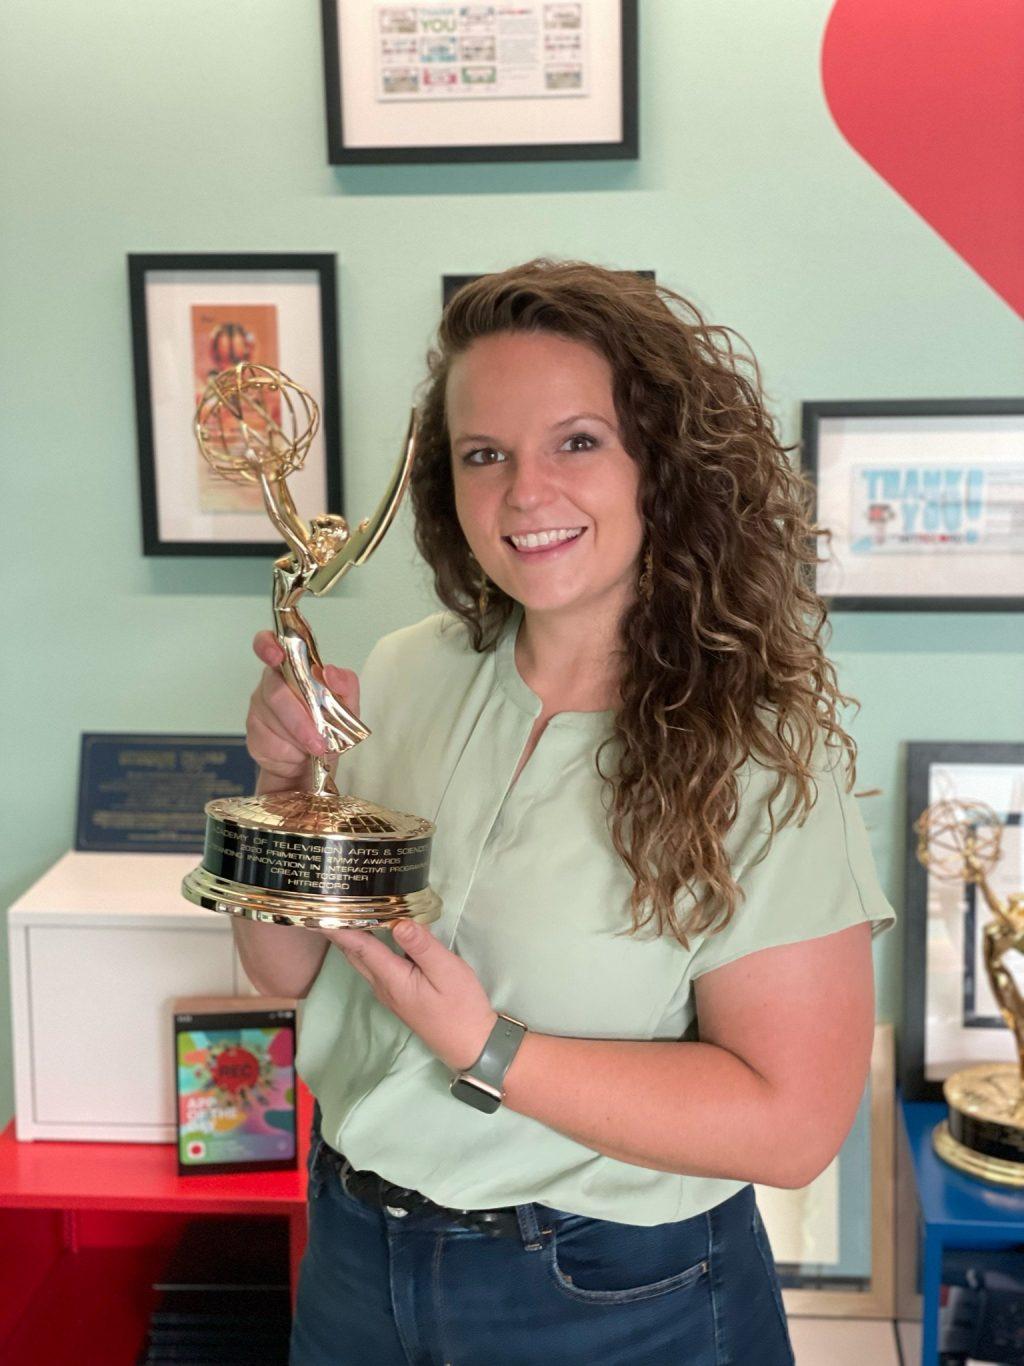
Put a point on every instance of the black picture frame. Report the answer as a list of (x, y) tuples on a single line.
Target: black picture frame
[(142, 268), (339, 153), (922, 756), (451, 284), (946, 596)]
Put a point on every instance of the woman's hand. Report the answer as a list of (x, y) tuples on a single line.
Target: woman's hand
[(279, 731), (435, 992)]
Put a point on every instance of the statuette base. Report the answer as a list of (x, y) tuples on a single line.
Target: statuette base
[(233, 898), (984, 1134), (314, 861)]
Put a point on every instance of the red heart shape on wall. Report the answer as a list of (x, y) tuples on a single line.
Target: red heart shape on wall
[(931, 94)]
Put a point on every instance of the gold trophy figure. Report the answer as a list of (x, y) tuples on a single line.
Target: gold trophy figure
[(984, 1133), (311, 858), (302, 666)]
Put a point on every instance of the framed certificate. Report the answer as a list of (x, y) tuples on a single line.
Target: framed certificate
[(530, 81), (145, 793), (924, 500)]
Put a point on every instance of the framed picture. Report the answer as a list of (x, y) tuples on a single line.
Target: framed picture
[(925, 502), (531, 81), (451, 284), (833, 1240), (950, 1019), (192, 316)]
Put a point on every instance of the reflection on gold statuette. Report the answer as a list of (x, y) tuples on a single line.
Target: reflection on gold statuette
[(984, 1134), (312, 858)]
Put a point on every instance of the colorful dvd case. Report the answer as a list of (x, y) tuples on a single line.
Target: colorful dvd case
[(234, 1068)]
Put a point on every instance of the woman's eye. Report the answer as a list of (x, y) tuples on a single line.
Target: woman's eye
[(580, 441), (481, 456)]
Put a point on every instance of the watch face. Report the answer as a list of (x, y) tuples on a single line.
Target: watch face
[(473, 1095)]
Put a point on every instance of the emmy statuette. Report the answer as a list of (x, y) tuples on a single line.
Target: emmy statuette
[(315, 858), (984, 1132)]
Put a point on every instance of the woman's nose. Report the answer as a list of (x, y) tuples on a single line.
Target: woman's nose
[(530, 483)]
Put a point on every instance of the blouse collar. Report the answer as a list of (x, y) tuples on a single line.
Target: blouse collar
[(519, 691)]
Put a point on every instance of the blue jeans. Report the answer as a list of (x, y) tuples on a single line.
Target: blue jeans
[(376, 1289)]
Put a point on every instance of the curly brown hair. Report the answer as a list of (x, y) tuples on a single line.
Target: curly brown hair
[(724, 658)]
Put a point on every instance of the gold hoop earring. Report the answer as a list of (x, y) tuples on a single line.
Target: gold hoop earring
[(645, 584)]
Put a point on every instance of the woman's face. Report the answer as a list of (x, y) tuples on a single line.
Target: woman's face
[(536, 453)]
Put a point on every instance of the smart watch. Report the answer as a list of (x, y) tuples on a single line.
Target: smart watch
[(480, 1084)]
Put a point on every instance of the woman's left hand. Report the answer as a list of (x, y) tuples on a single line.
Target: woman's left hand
[(435, 992)]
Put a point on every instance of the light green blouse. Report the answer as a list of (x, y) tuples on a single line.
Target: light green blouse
[(534, 895)]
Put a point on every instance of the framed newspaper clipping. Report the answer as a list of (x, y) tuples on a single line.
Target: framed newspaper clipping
[(193, 315), (530, 81), (924, 499)]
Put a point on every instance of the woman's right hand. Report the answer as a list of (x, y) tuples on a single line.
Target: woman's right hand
[(279, 731)]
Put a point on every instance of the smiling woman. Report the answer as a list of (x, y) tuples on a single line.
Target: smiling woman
[(652, 975), (698, 517), (547, 499)]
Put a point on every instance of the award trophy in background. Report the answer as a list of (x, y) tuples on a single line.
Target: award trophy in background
[(984, 1133), (312, 858)]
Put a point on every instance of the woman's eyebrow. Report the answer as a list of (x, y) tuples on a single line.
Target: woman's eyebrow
[(585, 417), (477, 437), (483, 438)]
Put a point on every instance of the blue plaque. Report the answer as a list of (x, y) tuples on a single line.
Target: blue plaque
[(146, 793)]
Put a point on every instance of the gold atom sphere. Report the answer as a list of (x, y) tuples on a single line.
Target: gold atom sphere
[(253, 418), (958, 839)]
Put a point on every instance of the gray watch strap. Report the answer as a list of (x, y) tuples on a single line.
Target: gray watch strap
[(481, 1084)]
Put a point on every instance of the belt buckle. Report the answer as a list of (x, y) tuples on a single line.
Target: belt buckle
[(400, 1201)]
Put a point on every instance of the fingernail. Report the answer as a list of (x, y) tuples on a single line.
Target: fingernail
[(406, 932)]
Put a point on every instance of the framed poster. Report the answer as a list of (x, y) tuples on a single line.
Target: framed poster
[(191, 317), (925, 502), (833, 1240), (451, 284), (950, 1019), (530, 81)]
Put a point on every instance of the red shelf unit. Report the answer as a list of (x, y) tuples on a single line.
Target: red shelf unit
[(85, 1228)]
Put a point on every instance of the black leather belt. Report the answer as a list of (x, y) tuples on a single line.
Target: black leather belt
[(373, 1190)]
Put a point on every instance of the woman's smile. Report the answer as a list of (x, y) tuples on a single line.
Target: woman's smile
[(544, 545)]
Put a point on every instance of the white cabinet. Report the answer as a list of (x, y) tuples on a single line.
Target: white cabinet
[(99, 947)]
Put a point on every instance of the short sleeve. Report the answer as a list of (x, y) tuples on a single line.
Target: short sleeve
[(815, 878)]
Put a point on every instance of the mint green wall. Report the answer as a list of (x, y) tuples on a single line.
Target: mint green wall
[(199, 127)]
